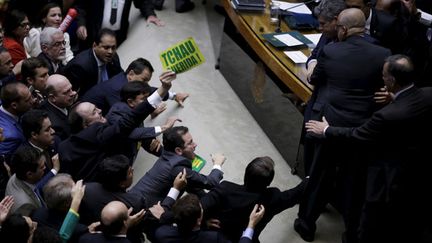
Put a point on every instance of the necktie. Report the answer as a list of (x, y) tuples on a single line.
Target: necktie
[(103, 74), (113, 17)]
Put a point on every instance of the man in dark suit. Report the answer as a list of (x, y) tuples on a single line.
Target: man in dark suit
[(93, 138), (115, 222), (399, 166), (132, 94), (231, 203), (60, 98), (95, 15), (94, 65), (34, 72), (106, 94), (53, 49), (348, 101), (115, 175), (188, 216), (177, 155)]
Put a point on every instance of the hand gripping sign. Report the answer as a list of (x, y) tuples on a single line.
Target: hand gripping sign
[(182, 56)]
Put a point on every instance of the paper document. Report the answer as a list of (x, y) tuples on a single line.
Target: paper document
[(288, 40), (296, 56), (314, 38), (300, 8)]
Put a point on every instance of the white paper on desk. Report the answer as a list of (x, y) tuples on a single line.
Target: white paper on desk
[(296, 56), (300, 8), (314, 38), (288, 40)]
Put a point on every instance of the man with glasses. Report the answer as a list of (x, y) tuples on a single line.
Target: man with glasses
[(53, 49)]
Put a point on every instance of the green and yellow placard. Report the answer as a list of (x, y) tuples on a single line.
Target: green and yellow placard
[(198, 163), (182, 56)]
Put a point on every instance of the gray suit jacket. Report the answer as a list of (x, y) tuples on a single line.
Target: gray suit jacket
[(25, 199)]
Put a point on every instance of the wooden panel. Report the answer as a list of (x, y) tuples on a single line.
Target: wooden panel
[(251, 26)]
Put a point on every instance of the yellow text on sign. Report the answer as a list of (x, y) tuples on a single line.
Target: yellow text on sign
[(181, 57)]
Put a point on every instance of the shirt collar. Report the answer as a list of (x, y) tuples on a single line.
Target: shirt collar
[(63, 110), (402, 90), (16, 118), (98, 61), (36, 147)]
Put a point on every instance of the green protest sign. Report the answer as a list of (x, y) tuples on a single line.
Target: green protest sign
[(182, 56), (198, 163)]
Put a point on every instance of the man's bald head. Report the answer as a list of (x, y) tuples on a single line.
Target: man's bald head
[(350, 22), (113, 217), (59, 91), (352, 18)]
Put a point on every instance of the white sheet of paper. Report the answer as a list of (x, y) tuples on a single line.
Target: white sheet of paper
[(294, 7), (314, 38), (288, 40), (296, 56)]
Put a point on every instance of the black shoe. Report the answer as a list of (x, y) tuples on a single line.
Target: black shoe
[(188, 6), (304, 231)]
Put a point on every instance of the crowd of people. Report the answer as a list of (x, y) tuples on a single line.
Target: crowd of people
[(72, 123)]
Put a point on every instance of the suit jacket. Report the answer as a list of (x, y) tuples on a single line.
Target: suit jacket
[(388, 30), (170, 234), (101, 238), (54, 219), (130, 144), (232, 203), (156, 183), (25, 199), (82, 71), (106, 94), (48, 61), (13, 134), (96, 197), (81, 153), (350, 88), (59, 121)]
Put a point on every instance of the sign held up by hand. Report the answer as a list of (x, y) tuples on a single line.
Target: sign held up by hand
[(182, 56)]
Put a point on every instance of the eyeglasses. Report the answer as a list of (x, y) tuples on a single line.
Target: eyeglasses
[(59, 43), (25, 24)]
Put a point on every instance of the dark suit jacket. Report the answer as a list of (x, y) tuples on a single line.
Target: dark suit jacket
[(54, 219), (60, 68), (232, 204), (350, 87), (81, 153), (106, 94), (155, 184), (59, 121), (399, 168), (170, 234), (82, 71), (388, 30), (130, 144)]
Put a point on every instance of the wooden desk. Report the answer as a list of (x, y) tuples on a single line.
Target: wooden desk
[(251, 26)]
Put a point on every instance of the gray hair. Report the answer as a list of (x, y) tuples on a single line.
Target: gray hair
[(57, 192), (46, 36), (329, 9)]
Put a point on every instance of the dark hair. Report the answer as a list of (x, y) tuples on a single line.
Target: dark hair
[(172, 138), (29, 65), (44, 234), (132, 89), (10, 94), (138, 65), (259, 173), (12, 21), (25, 159), (15, 229), (186, 211), (75, 120), (57, 192), (329, 9), (112, 171), (403, 73), (45, 10), (32, 121), (102, 33)]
